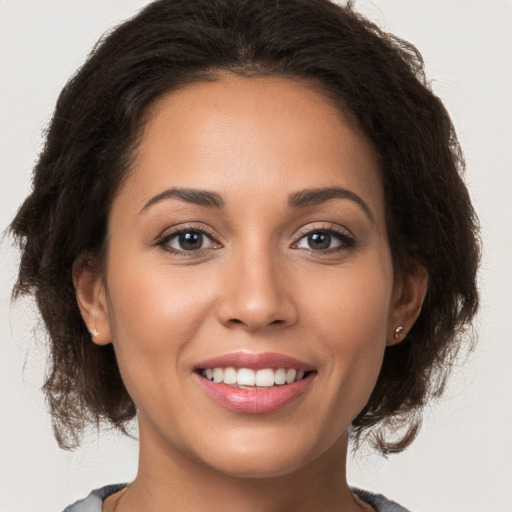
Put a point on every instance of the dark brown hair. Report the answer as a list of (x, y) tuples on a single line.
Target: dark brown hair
[(375, 76)]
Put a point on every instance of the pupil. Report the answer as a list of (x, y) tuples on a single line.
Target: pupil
[(190, 240), (319, 240)]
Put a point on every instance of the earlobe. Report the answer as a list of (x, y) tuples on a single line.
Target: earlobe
[(92, 299), (408, 294)]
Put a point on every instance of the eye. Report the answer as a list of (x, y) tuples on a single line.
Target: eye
[(326, 240), (187, 240)]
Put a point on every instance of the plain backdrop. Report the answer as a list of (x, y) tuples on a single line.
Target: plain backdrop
[(462, 460)]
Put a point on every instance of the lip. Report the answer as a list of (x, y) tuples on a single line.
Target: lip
[(255, 401), (254, 361)]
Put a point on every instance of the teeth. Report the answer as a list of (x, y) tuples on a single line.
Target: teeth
[(280, 376), (264, 378), (230, 376), (290, 375), (246, 377), (218, 375)]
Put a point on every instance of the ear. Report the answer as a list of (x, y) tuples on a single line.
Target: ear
[(92, 299), (409, 292)]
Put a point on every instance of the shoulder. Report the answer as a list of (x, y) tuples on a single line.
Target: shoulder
[(379, 502), (93, 502)]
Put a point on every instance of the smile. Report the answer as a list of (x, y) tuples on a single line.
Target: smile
[(247, 377), (254, 383)]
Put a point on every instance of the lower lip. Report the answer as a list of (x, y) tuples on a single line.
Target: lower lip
[(255, 401)]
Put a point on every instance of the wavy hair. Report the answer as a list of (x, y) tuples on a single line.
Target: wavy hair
[(378, 78)]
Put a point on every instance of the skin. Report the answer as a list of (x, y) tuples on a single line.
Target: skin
[(256, 284)]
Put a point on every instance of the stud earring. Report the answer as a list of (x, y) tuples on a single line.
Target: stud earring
[(93, 333), (398, 331)]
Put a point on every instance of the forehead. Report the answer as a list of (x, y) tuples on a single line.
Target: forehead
[(246, 137)]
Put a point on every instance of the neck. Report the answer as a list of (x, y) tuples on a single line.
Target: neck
[(169, 481)]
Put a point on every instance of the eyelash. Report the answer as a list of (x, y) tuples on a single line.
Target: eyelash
[(164, 240), (347, 241)]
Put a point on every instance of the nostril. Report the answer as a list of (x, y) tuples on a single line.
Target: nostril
[(243, 309)]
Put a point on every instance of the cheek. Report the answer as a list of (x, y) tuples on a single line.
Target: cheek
[(154, 314), (353, 305), (154, 301), (351, 315)]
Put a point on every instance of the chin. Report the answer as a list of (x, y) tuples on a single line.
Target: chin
[(259, 466), (263, 455)]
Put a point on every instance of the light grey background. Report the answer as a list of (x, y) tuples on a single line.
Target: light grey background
[(462, 460)]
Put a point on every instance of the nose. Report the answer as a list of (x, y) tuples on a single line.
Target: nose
[(256, 293)]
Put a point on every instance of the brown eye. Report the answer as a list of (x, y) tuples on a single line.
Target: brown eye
[(187, 241), (319, 240), (325, 240)]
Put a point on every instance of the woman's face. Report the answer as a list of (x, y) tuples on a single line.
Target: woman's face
[(250, 235)]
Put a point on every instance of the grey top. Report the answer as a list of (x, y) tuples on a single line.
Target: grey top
[(95, 499)]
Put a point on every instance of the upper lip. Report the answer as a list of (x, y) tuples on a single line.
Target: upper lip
[(254, 361)]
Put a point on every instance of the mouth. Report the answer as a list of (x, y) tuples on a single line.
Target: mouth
[(254, 383), (247, 378)]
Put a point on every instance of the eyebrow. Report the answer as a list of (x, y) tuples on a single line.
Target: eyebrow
[(316, 196), (189, 195), (301, 199)]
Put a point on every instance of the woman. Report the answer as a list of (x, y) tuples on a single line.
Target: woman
[(248, 228)]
